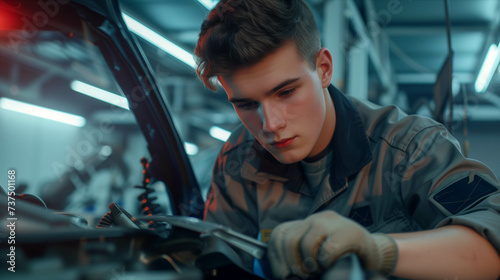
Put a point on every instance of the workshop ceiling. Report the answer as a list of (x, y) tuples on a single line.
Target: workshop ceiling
[(416, 31), (419, 41)]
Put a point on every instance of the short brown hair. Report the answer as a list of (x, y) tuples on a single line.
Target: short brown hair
[(240, 33)]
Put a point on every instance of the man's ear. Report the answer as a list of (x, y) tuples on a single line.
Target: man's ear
[(324, 67)]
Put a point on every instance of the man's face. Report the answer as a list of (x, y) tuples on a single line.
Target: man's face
[(284, 103)]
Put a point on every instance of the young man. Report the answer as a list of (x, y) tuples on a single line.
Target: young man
[(318, 174)]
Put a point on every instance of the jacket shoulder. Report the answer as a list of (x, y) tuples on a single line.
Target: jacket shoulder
[(391, 124), (239, 136)]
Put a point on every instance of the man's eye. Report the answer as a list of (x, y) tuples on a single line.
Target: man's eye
[(247, 105), (286, 93)]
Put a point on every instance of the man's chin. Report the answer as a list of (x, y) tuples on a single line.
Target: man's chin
[(287, 158)]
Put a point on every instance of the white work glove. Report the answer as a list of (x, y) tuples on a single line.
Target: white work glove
[(308, 247)]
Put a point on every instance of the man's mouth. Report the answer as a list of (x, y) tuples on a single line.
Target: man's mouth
[(283, 143)]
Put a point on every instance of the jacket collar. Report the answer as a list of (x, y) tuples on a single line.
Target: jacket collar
[(351, 152), (351, 149)]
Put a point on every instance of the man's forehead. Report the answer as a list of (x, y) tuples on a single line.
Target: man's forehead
[(226, 83), (254, 91), (279, 60), (228, 86)]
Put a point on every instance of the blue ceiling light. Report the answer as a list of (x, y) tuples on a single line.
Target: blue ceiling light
[(100, 94), (41, 112), (209, 4), (191, 149), (159, 41), (219, 133), (487, 69)]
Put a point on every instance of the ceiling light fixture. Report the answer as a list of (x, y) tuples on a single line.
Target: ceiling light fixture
[(191, 149), (209, 4), (159, 41), (488, 68), (41, 112), (100, 94), (219, 133)]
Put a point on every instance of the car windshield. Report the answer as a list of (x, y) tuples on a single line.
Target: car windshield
[(67, 129)]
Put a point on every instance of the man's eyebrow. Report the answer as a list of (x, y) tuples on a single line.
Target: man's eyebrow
[(275, 89), (281, 85), (238, 100)]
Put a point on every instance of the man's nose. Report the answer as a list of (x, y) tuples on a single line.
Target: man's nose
[(272, 118)]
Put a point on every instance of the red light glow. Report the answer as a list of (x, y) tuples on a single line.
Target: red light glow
[(8, 21)]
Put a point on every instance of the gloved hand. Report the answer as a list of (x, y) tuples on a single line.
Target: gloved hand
[(310, 246)]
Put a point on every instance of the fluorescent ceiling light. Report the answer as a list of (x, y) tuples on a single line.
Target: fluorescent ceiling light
[(159, 41), (209, 4), (191, 149), (41, 112), (100, 94), (219, 133), (487, 69)]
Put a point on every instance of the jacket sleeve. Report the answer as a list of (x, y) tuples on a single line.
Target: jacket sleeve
[(440, 187), (230, 201)]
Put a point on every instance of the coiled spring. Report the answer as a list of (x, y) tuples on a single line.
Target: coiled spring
[(148, 205)]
